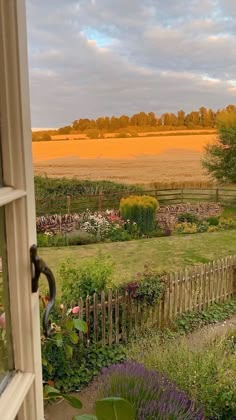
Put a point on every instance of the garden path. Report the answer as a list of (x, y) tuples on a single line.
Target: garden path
[(200, 338)]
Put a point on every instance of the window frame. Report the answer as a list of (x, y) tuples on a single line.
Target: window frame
[(24, 394)]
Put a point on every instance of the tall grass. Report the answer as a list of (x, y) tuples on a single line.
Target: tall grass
[(207, 374)]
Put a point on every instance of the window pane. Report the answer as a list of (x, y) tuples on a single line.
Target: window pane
[(6, 359)]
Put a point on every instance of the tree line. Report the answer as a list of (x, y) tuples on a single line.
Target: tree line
[(95, 128), (203, 118)]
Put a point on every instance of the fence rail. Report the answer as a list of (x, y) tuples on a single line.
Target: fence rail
[(111, 317), (80, 203)]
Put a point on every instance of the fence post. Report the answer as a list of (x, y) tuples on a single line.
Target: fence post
[(234, 280), (182, 195), (156, 193), (217, 195), (110, 318), (68, 204)]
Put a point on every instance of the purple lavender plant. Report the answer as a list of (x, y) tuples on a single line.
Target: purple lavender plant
[(152, 395)]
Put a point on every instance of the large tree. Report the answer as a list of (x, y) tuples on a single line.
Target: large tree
[(220, 157)]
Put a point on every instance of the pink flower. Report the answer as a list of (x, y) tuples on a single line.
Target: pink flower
[(3, 321), (75, 310)]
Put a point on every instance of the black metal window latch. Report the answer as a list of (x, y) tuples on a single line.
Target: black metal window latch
[(40, 267)]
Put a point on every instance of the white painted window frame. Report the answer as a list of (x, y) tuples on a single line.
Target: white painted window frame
[(23, 396)]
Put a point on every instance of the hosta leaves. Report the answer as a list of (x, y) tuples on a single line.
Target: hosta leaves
[(85, 417), (48, 390), (73, 401), (114, 409)]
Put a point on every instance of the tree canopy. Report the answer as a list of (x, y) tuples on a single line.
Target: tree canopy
[(220, 157)]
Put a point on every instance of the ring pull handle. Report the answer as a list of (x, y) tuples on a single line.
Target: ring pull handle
[(40, 267)]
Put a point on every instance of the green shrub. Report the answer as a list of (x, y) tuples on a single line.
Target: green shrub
[(146, 287), (188, 218), (80, 237), (43, 240), (47, 240), (141, 210), (80, 279), (213, 221), (116, 234), (202, 226), (73, 372)]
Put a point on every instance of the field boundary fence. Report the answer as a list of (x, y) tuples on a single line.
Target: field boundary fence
[(112, 316), (100, 202)]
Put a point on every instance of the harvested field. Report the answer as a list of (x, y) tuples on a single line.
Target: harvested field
[(139, 160), (141, 134)]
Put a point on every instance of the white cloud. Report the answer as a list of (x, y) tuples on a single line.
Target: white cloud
[(91, 58)]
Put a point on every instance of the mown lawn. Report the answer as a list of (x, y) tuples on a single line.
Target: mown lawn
[(168, 253)]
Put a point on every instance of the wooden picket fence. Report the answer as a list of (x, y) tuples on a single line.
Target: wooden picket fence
[(111, 317)]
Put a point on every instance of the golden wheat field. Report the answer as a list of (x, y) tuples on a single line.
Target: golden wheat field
[(135, 160)]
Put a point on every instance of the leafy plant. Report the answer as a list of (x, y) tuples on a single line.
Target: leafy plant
[(116, 234), (188, 218), (67, 360), (202, 226), (217, 312), (84, 278), (147, 287), (58, 349), (213, 221)]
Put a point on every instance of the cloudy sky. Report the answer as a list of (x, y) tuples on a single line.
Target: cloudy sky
[(90, 58)]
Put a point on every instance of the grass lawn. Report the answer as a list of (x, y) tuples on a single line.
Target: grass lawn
[(167, 253)]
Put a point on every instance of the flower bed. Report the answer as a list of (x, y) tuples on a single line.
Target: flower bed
[(87, 227)]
